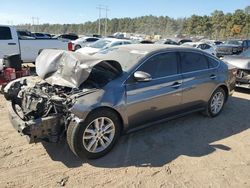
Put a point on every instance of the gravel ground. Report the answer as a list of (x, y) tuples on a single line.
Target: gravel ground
[(193, 151)]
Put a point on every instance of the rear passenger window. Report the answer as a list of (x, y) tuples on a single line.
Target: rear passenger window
[(212, 62), (5, 33), (161, 65), (193, 62)]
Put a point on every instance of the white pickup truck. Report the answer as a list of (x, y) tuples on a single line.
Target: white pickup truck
[(29, 48)]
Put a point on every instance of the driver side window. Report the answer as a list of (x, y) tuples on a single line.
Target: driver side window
[(161, 65)]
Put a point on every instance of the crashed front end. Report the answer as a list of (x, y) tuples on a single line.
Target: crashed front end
[(243, 78), (39, 111), (40, 107)]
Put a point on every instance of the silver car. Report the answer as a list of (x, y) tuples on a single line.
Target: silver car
[(242, 63), (94, 99)]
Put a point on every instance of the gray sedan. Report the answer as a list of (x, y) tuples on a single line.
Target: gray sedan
[(94, 99)]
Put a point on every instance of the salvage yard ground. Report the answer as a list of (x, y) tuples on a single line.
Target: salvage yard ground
[(193, 151)]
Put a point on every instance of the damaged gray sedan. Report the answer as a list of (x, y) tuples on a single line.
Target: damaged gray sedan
[(92, 100)]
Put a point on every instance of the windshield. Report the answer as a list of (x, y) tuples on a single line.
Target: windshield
[(126, 58), (234, 42), (100, 43), (246, 53)]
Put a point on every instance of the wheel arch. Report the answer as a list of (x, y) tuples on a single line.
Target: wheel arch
[(224, 87), (112, 110)]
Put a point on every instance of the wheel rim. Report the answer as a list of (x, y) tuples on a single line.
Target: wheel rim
[(98, 135), (217, 102)]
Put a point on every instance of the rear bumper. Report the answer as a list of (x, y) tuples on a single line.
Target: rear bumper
[(42, 129)]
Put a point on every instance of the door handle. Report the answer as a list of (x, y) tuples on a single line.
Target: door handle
[(11, 43), (176, 85), (212, 76)]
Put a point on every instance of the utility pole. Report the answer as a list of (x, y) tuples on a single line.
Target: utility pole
[(37, 22), (100, 8), (99, 26), (33, 22), (106, 20)]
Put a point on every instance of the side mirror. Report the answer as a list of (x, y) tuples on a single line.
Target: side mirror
[(141, 76)]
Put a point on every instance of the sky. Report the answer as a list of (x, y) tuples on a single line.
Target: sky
[(80, 11)]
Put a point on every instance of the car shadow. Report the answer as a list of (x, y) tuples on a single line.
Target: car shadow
[(193, 135), (242, 90)]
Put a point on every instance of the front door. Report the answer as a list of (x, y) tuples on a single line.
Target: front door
[(153, 100)]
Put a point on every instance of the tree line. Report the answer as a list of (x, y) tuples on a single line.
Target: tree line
[(218, 25)]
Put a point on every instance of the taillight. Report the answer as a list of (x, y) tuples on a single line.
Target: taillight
[(70, 46)]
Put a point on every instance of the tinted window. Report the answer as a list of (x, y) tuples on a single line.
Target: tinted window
[(206, 46), (70, 37), (116, 44), (125, 42), (193, 62), (212, 62), (5, 33), (91, 39), (161, 65)]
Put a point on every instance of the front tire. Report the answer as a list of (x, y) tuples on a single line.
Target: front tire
[(216, 103), (96, 136)]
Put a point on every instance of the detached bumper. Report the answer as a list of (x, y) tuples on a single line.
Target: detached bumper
[(42, 129)]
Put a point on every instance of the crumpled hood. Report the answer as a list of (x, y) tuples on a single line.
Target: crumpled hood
[(238, 61), (64, 68)]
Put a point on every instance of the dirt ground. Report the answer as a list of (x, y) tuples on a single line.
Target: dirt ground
[(193, 151)]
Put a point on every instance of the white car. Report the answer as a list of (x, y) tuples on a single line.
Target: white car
[(103, 44), (83, 41), (209, 48), (28, 47)]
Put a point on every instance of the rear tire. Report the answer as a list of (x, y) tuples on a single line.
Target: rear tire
[(215, 103), (96, 136), (77, 47)]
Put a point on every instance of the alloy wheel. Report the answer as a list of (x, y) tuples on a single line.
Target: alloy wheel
[(217, 102), (98, 135)]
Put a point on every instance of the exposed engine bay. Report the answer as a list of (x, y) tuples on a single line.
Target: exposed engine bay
[(40, 106), (42, 103)]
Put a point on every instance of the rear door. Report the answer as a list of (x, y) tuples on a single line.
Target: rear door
[(153, 100), (199, 80), (8, 43)]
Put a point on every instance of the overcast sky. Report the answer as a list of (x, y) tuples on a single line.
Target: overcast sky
[(80, 11)]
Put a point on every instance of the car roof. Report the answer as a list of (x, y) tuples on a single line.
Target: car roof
[(148, 48), (114, 39)]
